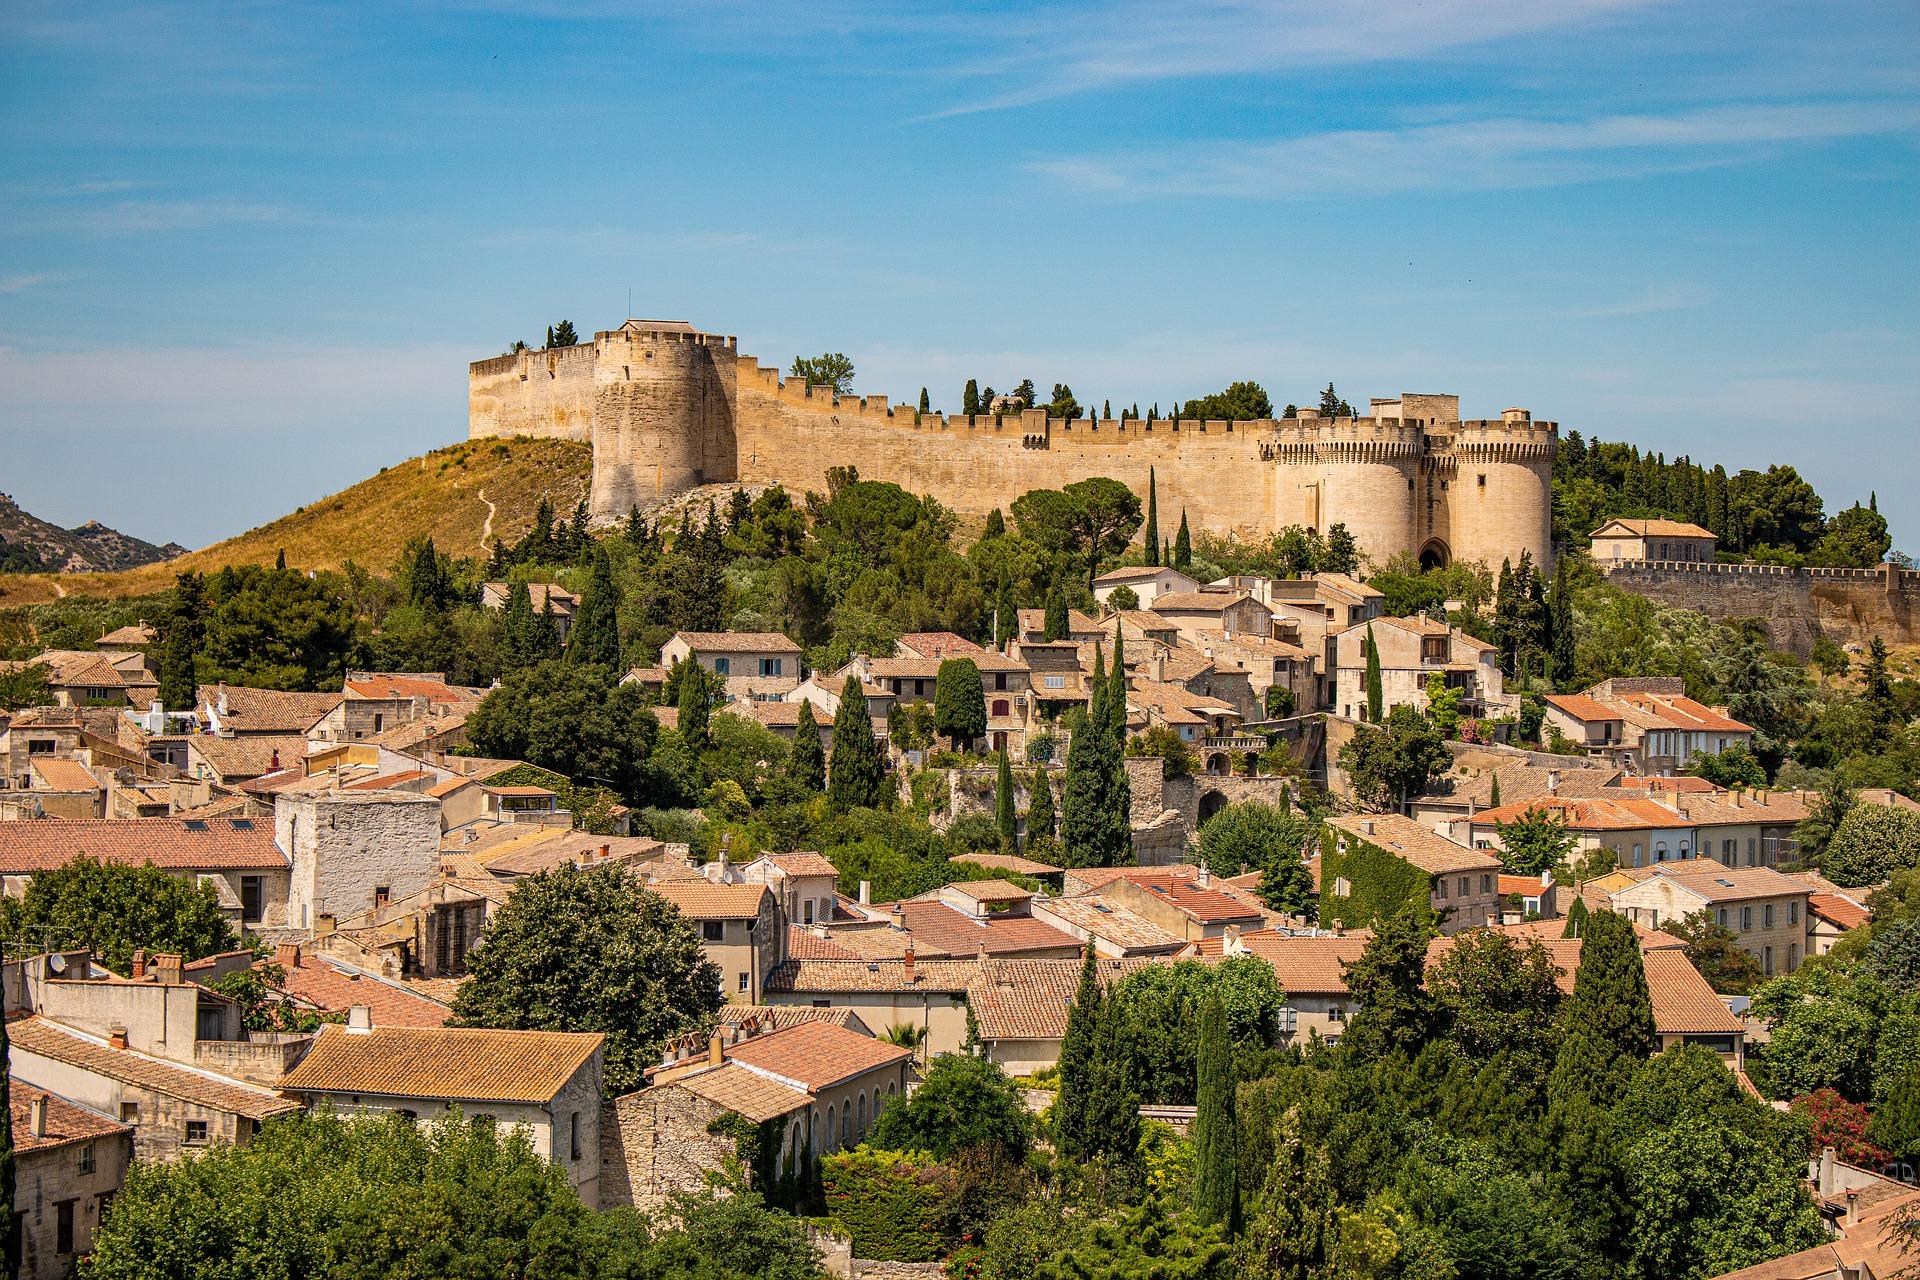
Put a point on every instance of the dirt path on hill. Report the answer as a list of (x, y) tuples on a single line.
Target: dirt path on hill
[(486, 529)]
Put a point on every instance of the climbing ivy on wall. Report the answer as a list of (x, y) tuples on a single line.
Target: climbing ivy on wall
[(1379, 884)]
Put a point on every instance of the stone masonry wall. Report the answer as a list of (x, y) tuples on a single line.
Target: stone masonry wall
[(1798, 606)]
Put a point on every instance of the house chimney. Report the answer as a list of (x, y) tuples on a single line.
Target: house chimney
[(1825, 1184), (360, 1020), (1230, 941), (1366, 825), (166, 970), (866, 893), (906, 964), (37, 1124), (606, 851), (287, 956), (140, 962), (1553, 781), (117, 1037), (1205, 878), (222, 704), (1853, 1205)]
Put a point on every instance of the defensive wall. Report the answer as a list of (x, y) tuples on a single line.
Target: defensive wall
[(667, 407), (1798, 606)]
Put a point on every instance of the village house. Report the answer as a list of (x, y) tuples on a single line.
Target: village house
[(1269, 664), (55, 788), (1412, 650), (1529, 897), (824, 694), (232, 710), (1195, 612), (753, 664), (1190, 908), (353, 851), (373, 702), (936, 644), (69, 1161), (1484, 777), (1020, 1008), (1645, 724), (1670, 540), (1313, 973), (495, 595), (1370, 861), (545, 1084), (238, 856), (930, 995), (1113, 930), (803, 883), (979, 919), (1635, 829), (86, 734), (1148, 582), (781, 718), (814, 1085), (1764, 909), (227, 762), (741, 930), (329, 986), (1829, 917)]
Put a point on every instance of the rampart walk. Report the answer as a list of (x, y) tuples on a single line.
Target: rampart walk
[(1798, 606)]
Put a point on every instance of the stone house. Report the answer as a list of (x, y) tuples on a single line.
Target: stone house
[(85, 734), (232, 710), (1744, 828), (823, 692), (805, 884), (1765, 910), (327, 985), (1668, 540), (781, 718), (1664, 728), (1636, 829), (353, 851), (238, 856), (1148, 582), (1596, 728), (1194, 612), (1112, 929), (1529, 897), (231, 761), (1368, 861), (1411, 651), (741, 930), (1021, 1007), (980, 918), (812, 1086), (884, 993), (754, 664), (495, 595), (1269, 663), (69, 1161), (547, 1084), (82, 678), (1056, 676), (1190, 908), (1312, 970), (1829, 917), (374, 702), (56, 788)]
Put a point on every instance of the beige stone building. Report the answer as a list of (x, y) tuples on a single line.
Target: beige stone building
[(754, 664), (804, 884), (69, 1161), (1148, 582), (495, 595), (1021, 1008), (1646, 725), (930, 995), (1666, 540), (1463, 883), (1765, 910), (1195, 612), (1313, 973), (354, 851), (741, 930), (1412, 650), (239, 856)]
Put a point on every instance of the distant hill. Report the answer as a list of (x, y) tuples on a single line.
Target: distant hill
[(461, 496), (30, 544)]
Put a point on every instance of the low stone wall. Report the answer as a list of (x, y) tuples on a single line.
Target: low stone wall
[(1797, 606)]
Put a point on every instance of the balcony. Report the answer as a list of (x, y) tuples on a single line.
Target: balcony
[(1234, 742)]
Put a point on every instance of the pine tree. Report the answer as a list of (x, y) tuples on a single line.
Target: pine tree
[(180, 646), (807, 762), (1376, 693), (1040, 819), (1609, 1017), (1183, 545), (1004, 814), (996, 525), (1055, 626), (637, 532), (970, 398), (1388, 982), (1216, 1129), (855, 778), (695, 704), (596, 627), (1073, 1105), (546, 633), (1150, 534), (517, 638)]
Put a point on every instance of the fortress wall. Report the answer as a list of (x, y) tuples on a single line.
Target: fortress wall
[(1500, 498), (1847, 606), (533, 393), (663, 414)]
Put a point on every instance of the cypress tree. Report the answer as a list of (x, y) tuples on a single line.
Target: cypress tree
[(996, 525), (517, 639), (185, 630), (1084, 818), (1040, 807), (546, 632), (1493, 793), (1006, 619), (636, 527), (926, 403), (1055, 626), (1216, 1128), (1560, 621), (1609, 1017), (1376, 694), (1003, 810), (1183, 545), (695, 704), (1117, 803), (855, 779), (1576, 919), (1072, 1106), (807, 762), (1150, 535), (1113, 1113), (596, 627), (1106, 409), (970, 398)]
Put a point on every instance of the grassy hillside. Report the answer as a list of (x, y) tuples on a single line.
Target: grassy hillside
[(445, 494)]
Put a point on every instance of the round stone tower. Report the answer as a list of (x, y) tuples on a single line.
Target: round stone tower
[(1501, 499), (1367, 469), (663, 414)]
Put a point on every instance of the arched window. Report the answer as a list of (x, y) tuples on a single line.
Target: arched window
[(846, 1127), (829, 1134), (861, 1127)]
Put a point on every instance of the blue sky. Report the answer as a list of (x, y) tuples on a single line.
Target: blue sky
[(247, 251)]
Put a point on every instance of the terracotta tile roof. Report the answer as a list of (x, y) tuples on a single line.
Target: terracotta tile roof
[(1134, 573), (1250, 643), (824, 976), (269, 710), (801, 864), (699, 900), (519, 792), (815, 1055), (1681, 712), (548, 848), (1029, 999), (1207, 906), (736, 641), (1426, 849), (804, 944), (1838, 910), (251, 756), (47, 1039), (1581, 707), (136, 636), (80, 668), (169, 843), (1006, 862), (1683, 1003), (778, 1017), (461, 1064), (64, 775), (403, 737), (1524, 886), (1678, 783), (1655, 528), (939, 930), (773, 714), (1306, 966), (390, 688), (67, 1122), (538, 593), (1199, 601), (735, 1088), (1737, 808), (1099, 917), (335, 988), (1625, 812), (1092, 879), (990, 890), (1717, 883), (937, 644)]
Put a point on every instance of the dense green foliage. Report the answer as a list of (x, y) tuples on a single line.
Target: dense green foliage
[(961, 1102), (113, 909), (1158, 1013), (574, 950), (1216, 1129), (1390, 761), (1251, 835), (1379, 884)]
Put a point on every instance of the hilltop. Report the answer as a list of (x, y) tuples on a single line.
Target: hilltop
[(28, 541), (460, 496)]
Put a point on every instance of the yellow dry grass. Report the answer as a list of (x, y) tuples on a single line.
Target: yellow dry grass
[(444, 494)]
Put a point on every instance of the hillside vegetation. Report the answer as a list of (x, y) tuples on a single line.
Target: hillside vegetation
[(444, 495)]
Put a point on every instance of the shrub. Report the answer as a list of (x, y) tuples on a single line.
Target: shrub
[(888, 1202)]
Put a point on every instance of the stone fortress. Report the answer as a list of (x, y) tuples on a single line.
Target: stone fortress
[(668, 407)]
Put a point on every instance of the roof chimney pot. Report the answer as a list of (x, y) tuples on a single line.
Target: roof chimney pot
[(37, 1125)]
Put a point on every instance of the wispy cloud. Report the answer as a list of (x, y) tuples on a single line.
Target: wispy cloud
[(20, 284), (149, 217), (1133, 41), (1656, 297), (1477, 155)]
